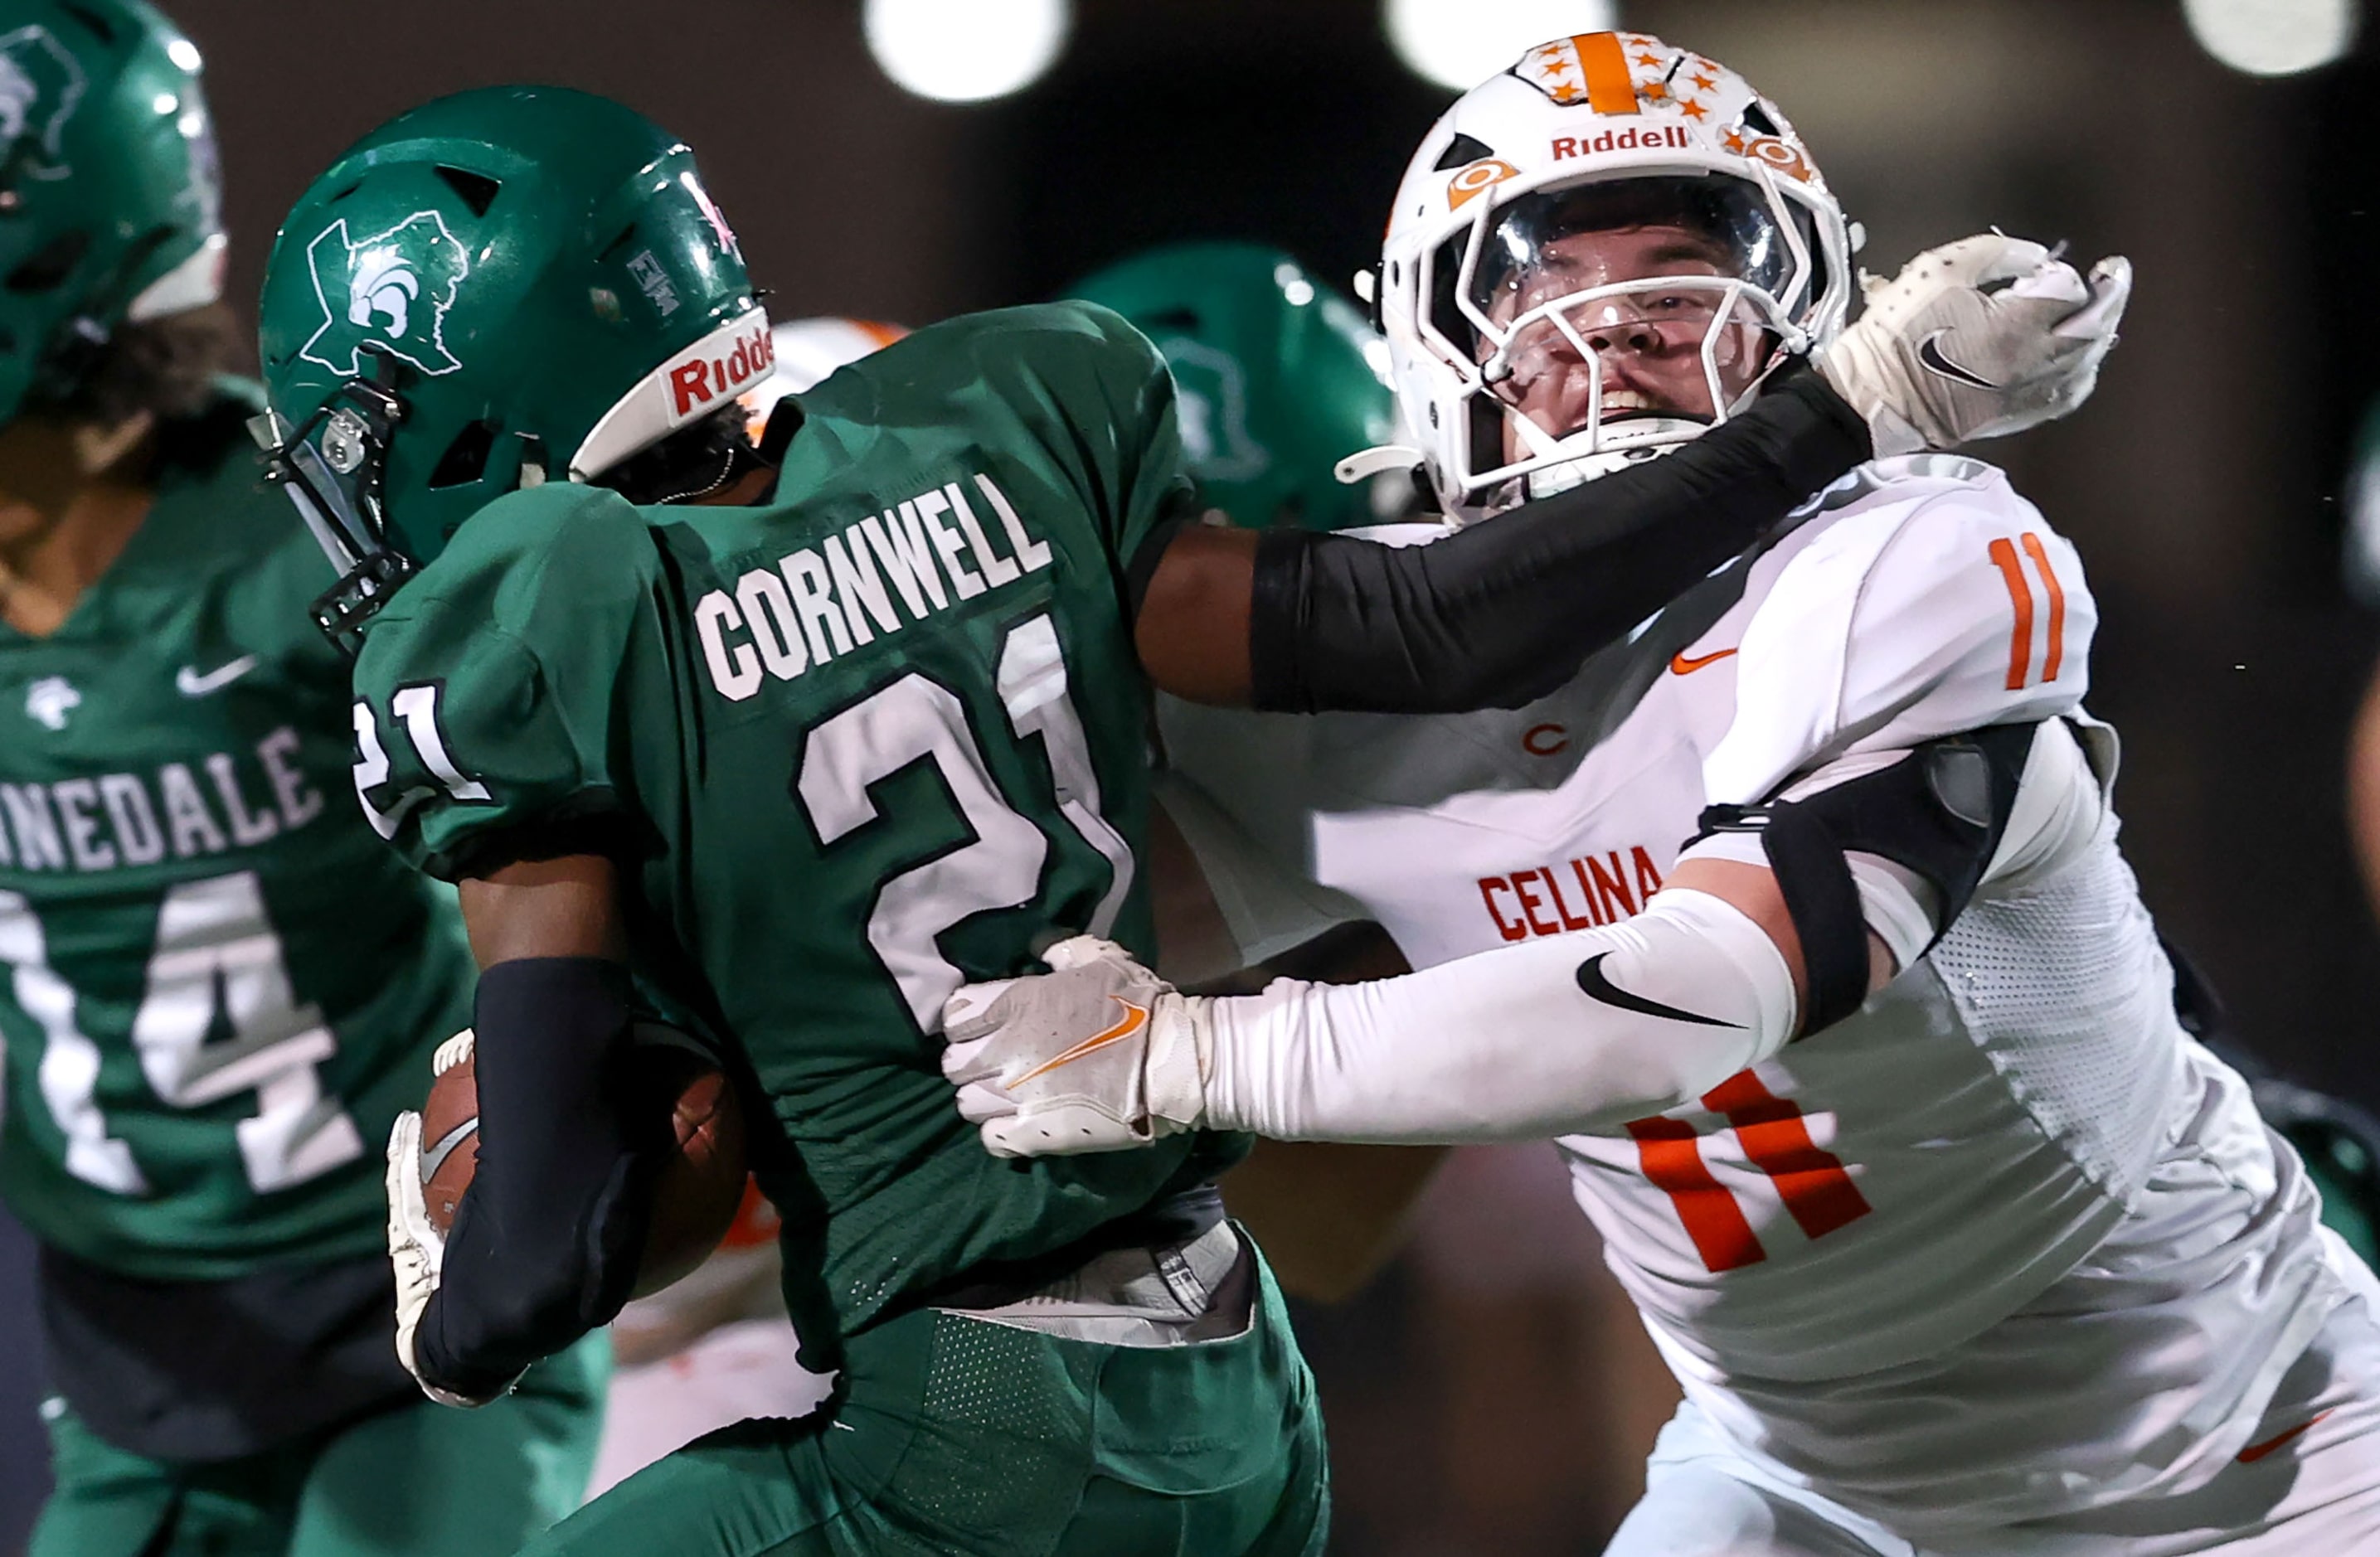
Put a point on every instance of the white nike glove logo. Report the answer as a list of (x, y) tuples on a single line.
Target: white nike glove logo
[(189, 683)]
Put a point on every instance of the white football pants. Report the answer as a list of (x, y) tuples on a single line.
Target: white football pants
[(2312, 1493)]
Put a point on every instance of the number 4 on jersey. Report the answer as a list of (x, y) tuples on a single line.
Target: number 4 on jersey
[(216, 964)]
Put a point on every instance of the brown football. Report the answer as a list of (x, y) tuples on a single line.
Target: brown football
[(700, 1185)]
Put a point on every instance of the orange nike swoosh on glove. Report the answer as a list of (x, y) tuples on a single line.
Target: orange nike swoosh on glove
[(2256, 1451), (1680, 665), (1135, 1019)]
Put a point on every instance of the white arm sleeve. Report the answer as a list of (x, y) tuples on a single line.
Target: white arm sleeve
[(1588, 1030), (1566, 1033)]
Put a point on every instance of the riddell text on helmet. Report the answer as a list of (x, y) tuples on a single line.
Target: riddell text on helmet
[(703, 382), (1645, 137)]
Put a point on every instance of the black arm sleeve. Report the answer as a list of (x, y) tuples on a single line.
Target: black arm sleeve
[(546, 1242), (1504, 612)]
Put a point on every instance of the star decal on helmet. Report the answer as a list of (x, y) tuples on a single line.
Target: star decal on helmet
[(40, 84), (392, 289)]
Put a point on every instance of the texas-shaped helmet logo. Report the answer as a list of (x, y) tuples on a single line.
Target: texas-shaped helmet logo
[(40, 86), (392, 289)]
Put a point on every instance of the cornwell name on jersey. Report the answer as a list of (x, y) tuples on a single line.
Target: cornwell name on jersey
[(817, 603), (124, 820)]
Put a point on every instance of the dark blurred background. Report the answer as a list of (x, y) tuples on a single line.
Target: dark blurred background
[(2203, 484)]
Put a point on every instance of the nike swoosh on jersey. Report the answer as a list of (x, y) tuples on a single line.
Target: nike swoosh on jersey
[(1591, 979), (1135, 1019), (1929, 352), (1683, 664), (189, 683), (2256, 1451)]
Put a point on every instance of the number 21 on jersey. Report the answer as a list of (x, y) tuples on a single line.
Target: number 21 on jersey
[(915, 718)]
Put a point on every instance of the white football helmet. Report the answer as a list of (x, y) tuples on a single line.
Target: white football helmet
[(1498, 307)]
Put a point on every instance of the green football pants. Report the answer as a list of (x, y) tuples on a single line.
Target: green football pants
[(418, 1479), (957, 1435)]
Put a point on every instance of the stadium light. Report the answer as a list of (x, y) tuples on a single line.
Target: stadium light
[(966, 51), (1460, 43), (2273, 37)]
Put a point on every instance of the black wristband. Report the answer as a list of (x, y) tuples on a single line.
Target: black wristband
[(1504, 612)]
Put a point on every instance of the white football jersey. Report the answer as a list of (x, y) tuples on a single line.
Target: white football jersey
[(2003, 1244)]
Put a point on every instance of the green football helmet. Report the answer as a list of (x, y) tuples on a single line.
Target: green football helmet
[(110, 201), (499, 288), (1280, 378)]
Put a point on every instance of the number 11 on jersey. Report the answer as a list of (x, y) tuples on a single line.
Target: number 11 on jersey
[(1775, 1138)]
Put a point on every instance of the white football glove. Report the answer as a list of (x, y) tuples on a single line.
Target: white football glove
[(1978, 338), (1097, 1055), (414, 1249)]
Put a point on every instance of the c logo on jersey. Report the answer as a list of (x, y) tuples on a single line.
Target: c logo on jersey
[(392, 288), (39, 87)]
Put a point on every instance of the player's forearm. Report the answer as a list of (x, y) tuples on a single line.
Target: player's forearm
[(546, 1241), (1506, 611), (1570, 1033)]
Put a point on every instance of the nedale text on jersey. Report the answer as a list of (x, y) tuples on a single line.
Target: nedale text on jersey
[(120, 820), (878, 576)]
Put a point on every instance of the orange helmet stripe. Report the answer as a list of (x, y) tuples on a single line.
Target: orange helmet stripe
[(1609, 88)]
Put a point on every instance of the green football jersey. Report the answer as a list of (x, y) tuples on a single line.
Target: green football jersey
[(877, 737), (217, 987)]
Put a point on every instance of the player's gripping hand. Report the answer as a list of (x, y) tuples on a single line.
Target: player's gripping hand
[(1978, 338), (1095, 1054), (415, 1248)]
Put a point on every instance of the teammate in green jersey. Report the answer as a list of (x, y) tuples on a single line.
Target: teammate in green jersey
[(1277, 376), (220, 987), (790, 740)]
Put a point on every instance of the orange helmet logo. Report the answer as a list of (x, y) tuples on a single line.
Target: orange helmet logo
[(1779, 154), (1477, 179)]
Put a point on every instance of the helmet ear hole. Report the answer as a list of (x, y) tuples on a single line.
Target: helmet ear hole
[(466, 459), (618, 246), (100, 25), (478, 190), (1462, 150), (47, 267)]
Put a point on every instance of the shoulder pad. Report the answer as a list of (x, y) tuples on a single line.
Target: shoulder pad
[(541, 556), (1065, 329), (1934, 600)]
